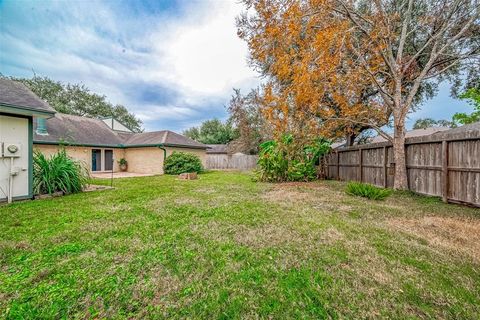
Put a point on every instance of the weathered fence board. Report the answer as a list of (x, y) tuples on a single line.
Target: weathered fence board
[(446, 168), (231, 162)]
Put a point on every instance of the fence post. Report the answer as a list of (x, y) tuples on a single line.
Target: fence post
[(445, 171), (360, 163), (385, 168), (338, 165)]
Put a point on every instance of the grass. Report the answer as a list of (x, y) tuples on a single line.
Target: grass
[(367, 191), (224, 247)]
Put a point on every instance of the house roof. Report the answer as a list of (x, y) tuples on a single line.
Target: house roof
[(70, 129), (15, 94), (414, 133), (217, 148), (165, 137), (76, 130), (467, 131)]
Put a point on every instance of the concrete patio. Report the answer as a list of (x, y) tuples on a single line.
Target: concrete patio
[(116, 175)]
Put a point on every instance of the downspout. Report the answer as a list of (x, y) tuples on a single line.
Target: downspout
[(160, 146)]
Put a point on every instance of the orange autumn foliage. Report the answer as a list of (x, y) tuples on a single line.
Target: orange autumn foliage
[(310, 89)]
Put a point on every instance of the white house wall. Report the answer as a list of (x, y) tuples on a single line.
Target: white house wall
[(14, 130)]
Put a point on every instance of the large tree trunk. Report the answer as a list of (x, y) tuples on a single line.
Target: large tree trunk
[(401, 182)]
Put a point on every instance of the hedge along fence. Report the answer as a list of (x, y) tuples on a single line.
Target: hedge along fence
[(445, 164)]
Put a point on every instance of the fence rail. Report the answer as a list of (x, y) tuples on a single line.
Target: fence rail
[(447, 168), (231, 162)]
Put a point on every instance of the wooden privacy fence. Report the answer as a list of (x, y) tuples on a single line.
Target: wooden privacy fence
[(232, 162), (445, 166)]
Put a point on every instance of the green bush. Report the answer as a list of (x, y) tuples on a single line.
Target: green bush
[(182, 162), (290, 160), (367, 191), (58, 173)]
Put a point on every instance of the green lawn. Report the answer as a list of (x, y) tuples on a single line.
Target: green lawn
[(226, 247)]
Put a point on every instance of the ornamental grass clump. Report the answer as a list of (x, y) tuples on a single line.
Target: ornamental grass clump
[(367, 191), (182, 162), (58, 173)]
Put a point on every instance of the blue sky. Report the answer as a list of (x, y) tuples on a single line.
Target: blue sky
[(172, 63)]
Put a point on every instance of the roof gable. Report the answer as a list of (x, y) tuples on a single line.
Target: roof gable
[(17, 95)]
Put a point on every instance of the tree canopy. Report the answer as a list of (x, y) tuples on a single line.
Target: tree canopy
[(473, 96), (429, 122), (212, 132), (245, 114), (333, 64), (78, 100)]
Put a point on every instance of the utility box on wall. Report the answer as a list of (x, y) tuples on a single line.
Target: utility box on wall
[(15, 157)]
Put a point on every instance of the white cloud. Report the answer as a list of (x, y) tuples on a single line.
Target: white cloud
[(197, 54), (206, 56)]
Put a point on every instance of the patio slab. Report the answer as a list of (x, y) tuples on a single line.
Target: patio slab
[(116, 175)]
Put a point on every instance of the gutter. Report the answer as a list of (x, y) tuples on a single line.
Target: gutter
[(120, 146), (14, 109)]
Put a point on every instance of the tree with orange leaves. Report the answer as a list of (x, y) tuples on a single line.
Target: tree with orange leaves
[(301, 52), (316, 52)]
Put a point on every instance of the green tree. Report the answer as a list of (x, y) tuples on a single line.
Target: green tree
[(429, 122), (213, 132), (245, 114), (473, 97), (78, 100)]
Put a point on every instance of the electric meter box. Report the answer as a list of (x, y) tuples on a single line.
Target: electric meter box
[(12, 150)]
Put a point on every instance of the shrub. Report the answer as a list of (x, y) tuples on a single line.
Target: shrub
[(58, 173), (367, 191), (290, 160), (182, 162)]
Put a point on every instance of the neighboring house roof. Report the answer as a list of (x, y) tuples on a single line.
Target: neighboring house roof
[(15, 94), (76, 130), (467, 131), (336, 145), (217, 148), (413, 133)]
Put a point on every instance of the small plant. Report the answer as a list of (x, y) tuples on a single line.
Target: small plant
[(123, 164), (182, 162), (58, 173), (367, 191)]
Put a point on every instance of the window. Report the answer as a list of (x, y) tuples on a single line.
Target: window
[(102, 159)]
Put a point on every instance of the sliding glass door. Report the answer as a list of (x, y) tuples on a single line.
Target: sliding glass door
[(108, 160), (96, 160)]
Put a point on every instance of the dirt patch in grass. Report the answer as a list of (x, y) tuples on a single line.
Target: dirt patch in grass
[(460, 234), (286, 195), (267, 236), (155, 286), (206, 190), (187, 201)]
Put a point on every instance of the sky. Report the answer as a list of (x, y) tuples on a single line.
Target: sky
[(172, 63)]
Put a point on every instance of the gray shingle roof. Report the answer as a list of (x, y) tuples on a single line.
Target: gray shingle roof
[(63, 128), (414, 133), (16, 94), (467, 131), (71, 129), (217, 148), (165, 137)]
